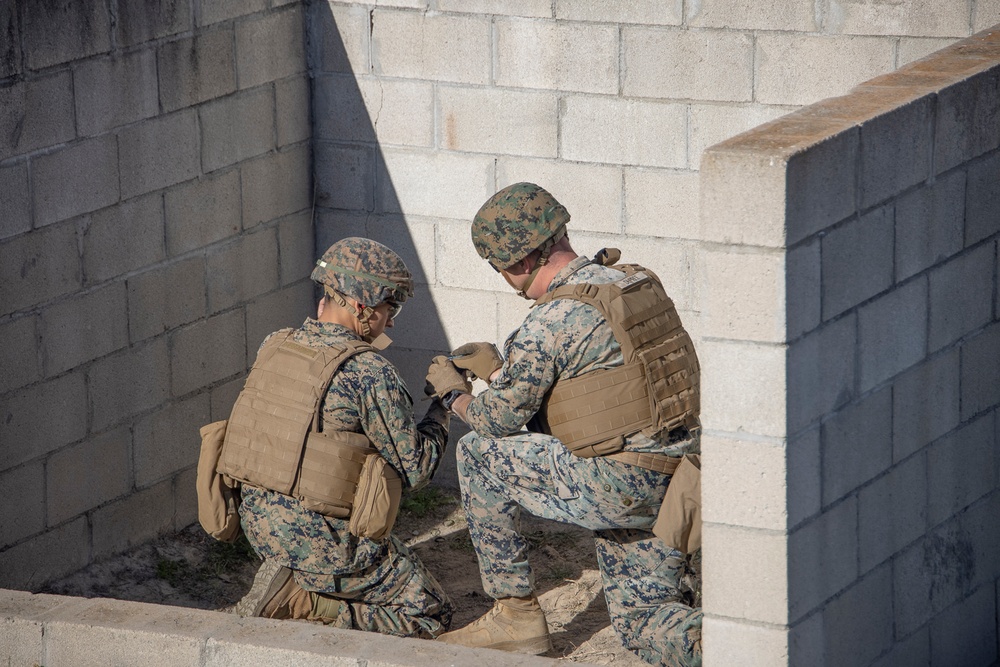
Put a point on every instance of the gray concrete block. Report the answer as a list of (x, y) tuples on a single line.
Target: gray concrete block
[(202, 212), (929, 225), (137, 24), (433, 184), (803, 289), (10, 50), (687, 64), (270, 47), (76, 485), (659, 203), (744, 482), (115, 91), (296, 248), (208, 351), (26, 431), (805, 473), (709, 124), (127, 384), (963, 470), (743, 198), (892, 512), (982, 193), (968, 630), (18, 356), (83, 328), (623, 131), (896, 151), (822, 184), (38, 267), (136, 518), (980, 368), (821, 372), (795, 16), (892, 333), (913, 651), (634, 11), (964, 129), (242, 269), (65, 30), (553, 55), (36, 114), (741, 588), (223, 397), (214, 11), (355, 108), (490, 120), (961, 296), (340, 37), (857, 626), (857, 445), (529, 8), (24, 513), (15, 205), (925, 18), (345, 176), (857, 260), (22, 642), (406, 44), (743, 295), (744, 387), (185, 497), (288, 307), (197, 69), (738, 643), (925, 404), (985, 16), (45, 557), (172, 139), (414, 240), (277, 185), (123, 238), (166, 297), (236, 128), (292, 98), (167, 441), (822, 558), (78, 179)]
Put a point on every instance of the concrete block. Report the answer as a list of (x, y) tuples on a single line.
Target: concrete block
[(712, 123), (688, 64), (24, 490), (981, 219), (126, 384), (36, 114), (22, 641), (84, 328), (408, 45), (961, 298), (675, 263), (214, 11), (556, 55), (915, 48), (796, 16), (751, 589), (15, 205), (803, 289), (38, 267), (434, 184), (27, 433), (202, 212), (73, 493), (822, 184), (340, 37), (986, 16), (292, 98), (857, 445), (115, 91), (744, 482), (271, 47), (18, 355), (892, 512), (929, 225), (857, 626), (968, 629), (591, 193), (896, 151), (350, 108), (743, 295), (223, 397), (729, 642), (744, 387), (135, 519), (963, 128), (458, 265), (661, 203), (276, 185), (892, 334), (345, 176), (242, 269), (511, 312), (123, 238), (821, 372), (331, 226), (448, 329), (804, 476), (913, 651), (45, 557), (296, 253), (629, 11), (208, 351), (921, 18), (236, 128), (535, 8), (288, 307), (166, 297), (962, 469), (485, 120), (742, 199), (197, 69), (78, 179), (10, 50), (137, 24), (857, 261), (925, 404), (416, 243), (185, 498), (65, 30), (623, 131), (837, 63), (822, 558), (167, 440), (980, 368), (173, 142)]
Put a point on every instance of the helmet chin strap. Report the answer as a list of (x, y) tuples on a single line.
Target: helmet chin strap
[(379, 342), (543, 259)]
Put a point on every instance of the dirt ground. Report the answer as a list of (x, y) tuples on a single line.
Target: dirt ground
[(190, 569)]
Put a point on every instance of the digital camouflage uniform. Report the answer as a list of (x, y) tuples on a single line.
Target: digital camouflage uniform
[(502, 468)]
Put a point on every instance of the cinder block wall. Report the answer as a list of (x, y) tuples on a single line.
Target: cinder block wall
[(852, 402), (155, 193)]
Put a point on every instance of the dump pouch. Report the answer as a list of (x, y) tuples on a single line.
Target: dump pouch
[(218, 494), (376, 503), (679, 522)]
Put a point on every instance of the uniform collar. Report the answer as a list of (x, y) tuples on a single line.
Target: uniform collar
[(563, 276)]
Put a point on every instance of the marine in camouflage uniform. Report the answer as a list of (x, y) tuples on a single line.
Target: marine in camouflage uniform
[(650, 588), (353, 582)]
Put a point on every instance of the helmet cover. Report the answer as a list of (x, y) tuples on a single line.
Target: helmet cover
[(514, 222), (364, 270)]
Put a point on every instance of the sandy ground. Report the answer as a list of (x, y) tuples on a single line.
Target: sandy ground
[(190, 569)]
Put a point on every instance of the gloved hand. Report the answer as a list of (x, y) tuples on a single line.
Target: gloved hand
[(480, 358), (443, 378)]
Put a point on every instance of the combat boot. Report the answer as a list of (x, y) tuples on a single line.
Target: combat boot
[(276, 594), (271, 578), (513, 624)]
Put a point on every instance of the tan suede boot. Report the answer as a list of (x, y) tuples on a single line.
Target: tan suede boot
[(513, 624), (276, 594), (271, 578)]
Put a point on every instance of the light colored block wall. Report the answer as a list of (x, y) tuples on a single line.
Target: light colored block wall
[(155, 195)]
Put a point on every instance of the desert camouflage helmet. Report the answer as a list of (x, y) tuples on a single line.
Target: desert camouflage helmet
[(514, 222), (364, 270)]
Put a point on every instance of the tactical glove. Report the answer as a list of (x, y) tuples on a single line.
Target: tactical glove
[(483, 359), (443, 378)]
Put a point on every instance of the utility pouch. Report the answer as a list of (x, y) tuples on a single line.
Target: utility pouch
[(679, 522), (218, 494), (376, 502)]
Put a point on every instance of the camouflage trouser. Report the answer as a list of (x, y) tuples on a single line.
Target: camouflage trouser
[(384, 583), (648, 586)]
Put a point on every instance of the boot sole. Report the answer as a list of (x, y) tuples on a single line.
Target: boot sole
[(535, 646)]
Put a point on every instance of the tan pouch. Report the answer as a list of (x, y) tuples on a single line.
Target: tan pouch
[(679, 522), (218, 494), (376, 502)]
